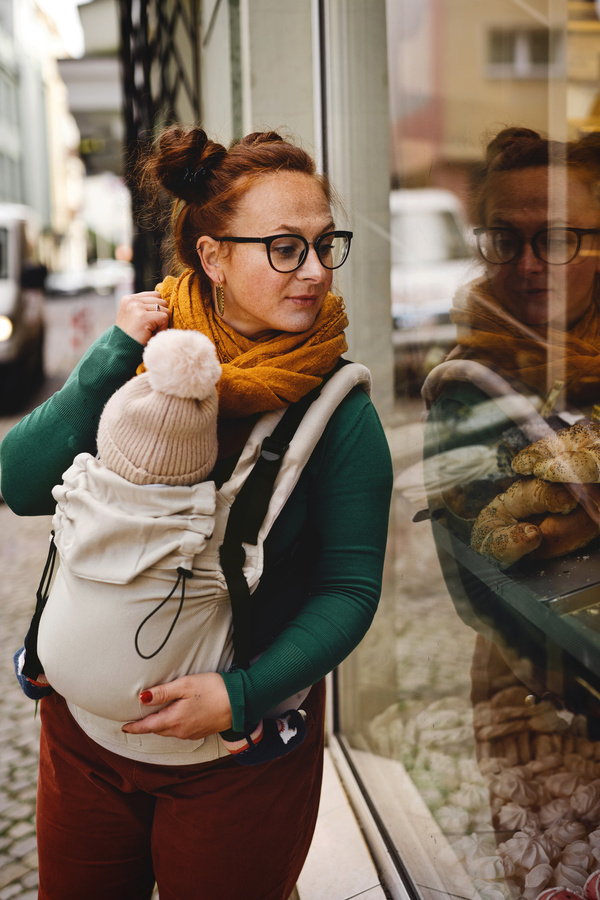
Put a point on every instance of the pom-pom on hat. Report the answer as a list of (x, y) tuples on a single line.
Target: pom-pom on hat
[(161, 427)]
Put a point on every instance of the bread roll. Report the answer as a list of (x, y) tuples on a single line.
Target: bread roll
[(504, 531), (564, 534), (571, 455), (500, 536)]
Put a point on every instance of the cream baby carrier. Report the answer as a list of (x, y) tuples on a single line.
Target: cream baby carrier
[(148, 574)]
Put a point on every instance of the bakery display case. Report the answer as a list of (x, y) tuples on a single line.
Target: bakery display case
[(470, 713)]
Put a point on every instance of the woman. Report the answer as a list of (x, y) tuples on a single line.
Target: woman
[(528, 337), (253, 228), (535, 314)]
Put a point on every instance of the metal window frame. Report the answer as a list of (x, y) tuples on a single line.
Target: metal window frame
[(156, 85)]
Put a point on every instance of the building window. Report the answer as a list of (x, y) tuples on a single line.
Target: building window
[(524, 53)]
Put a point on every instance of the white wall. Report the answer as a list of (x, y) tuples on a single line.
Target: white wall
[(359, 166), (276, 75)]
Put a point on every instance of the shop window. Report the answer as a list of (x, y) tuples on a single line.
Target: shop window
[(524, 53), (470, 713)]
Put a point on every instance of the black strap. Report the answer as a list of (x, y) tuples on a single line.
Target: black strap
[(32, 667), (248, 512)]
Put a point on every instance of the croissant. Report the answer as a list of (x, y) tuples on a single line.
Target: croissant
[(571, 455), (499, 536)]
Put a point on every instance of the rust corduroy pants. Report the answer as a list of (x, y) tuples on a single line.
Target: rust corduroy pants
[(109, 826)]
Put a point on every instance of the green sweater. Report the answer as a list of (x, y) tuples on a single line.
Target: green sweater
[(329, 539)]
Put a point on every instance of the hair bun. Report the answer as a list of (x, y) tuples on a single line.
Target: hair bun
[(507, 138), (590, 142), (261, 137), (185, 159)]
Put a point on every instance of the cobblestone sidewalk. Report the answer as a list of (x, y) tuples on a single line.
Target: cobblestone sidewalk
[(20, 540)]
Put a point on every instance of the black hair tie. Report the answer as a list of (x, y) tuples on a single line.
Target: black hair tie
[(194, 177)]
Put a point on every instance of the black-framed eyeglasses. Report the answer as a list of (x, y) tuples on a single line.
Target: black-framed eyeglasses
[(556, 246), (287, 252)]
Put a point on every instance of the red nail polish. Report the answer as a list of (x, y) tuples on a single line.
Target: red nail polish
[(146, 696)]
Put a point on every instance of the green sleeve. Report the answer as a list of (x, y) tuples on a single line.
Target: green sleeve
[(38, 449), (351, 484)]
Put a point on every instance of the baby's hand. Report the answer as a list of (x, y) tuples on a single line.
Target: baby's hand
[(142, 315)]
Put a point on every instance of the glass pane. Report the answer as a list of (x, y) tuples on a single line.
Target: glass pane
[(502, 46), (426, 237), (3, 253), (471, 710), (539, 47)]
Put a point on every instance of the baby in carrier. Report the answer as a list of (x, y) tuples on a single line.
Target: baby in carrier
[(140, 597)]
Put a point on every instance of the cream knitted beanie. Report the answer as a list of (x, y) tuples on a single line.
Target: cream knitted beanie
[(161, 427)]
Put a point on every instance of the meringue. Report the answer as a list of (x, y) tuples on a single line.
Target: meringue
[(511, 785), (525, 851), (512, 817), (571, 877), (488, 868), (578, 853), (452, 819), (536, 880), (557, 811), (566, 832), (563, 784)]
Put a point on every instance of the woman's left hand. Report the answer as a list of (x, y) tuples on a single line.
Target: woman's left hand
[(198, 705)]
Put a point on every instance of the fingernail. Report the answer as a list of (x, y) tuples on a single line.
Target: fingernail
[(146, 697)]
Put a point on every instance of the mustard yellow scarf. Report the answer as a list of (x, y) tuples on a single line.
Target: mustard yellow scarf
[(487, 332), (265, 374)]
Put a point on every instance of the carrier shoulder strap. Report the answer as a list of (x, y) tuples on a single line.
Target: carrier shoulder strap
[(32, 667), (248, 512)]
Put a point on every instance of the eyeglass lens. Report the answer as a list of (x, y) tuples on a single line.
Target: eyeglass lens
[(556, 246), (289, 252)]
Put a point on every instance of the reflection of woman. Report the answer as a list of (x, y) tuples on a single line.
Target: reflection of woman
[(532, 323), (535, 316), (254, 228), (529, 325), (528, 328)]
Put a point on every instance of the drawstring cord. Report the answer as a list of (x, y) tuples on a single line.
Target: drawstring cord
[(182, 576)]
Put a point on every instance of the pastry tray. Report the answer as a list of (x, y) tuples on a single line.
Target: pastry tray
[(560, 596)]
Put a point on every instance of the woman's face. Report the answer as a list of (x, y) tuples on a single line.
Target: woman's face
[(533, 291), (257, 298)]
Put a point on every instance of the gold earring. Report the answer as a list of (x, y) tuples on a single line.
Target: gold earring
[(220, 295)]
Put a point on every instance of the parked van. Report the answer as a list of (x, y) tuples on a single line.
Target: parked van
[(432, 254), (22, 321)]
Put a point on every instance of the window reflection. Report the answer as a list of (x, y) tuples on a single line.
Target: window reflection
[(472, 709), (525, 53)]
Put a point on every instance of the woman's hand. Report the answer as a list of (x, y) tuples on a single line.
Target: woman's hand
[(142, 315), (198, 706)]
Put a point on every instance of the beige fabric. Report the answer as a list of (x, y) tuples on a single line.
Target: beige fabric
[(119, 545)]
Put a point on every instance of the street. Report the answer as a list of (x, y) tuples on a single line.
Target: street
[(73, 324)]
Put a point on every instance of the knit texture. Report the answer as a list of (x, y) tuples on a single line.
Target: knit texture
[(265, 374), (535, 356), (133, 436), (161, 427)]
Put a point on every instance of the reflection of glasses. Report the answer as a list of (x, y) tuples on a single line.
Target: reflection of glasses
[(287, 252), (557, 246)]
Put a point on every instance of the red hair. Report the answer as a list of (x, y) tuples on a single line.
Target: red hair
[(514, 149), (208, 181)]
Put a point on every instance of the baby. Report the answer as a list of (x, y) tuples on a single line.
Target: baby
[(138, 532)]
